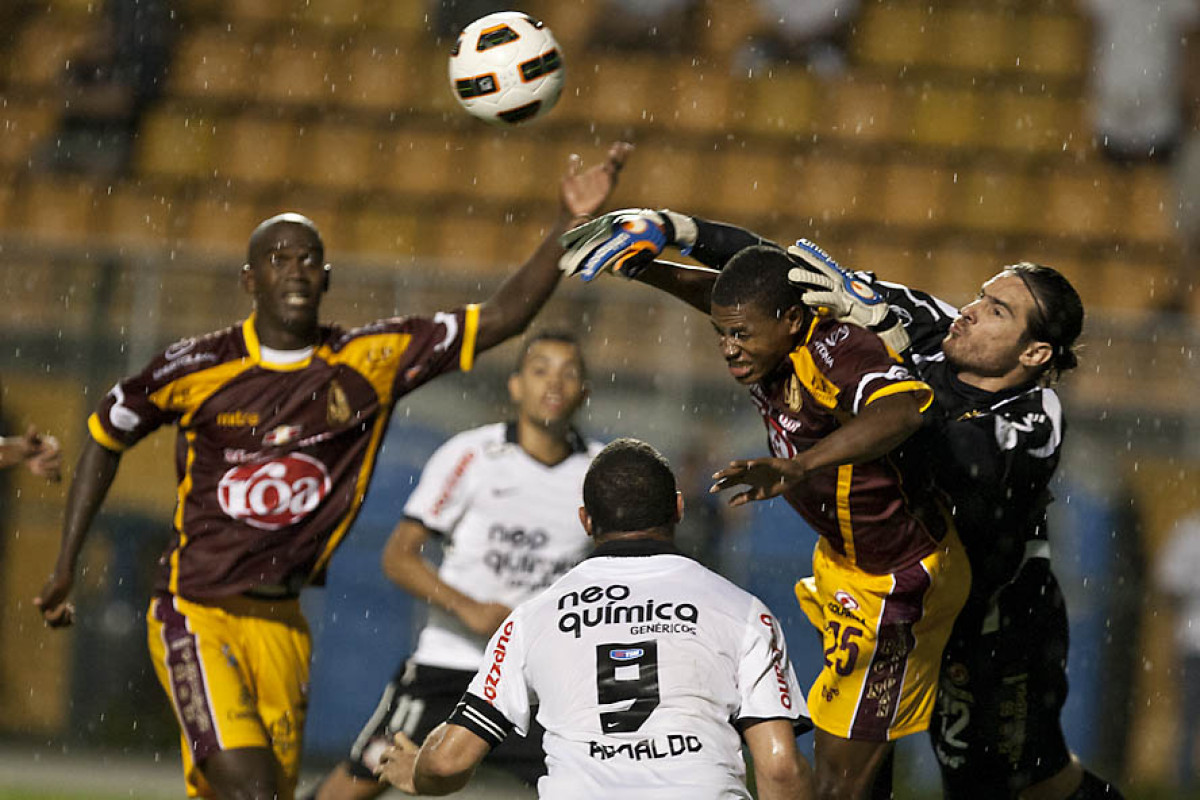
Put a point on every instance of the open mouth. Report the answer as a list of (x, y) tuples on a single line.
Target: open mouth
[(739, 371)]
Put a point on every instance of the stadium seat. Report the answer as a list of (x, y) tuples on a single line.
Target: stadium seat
[(379, 232), (861, 110), (255, 13), (748, 181), (785, 104), (423, 163), (945, 117), (1078, 203), (23, 126), (974, 39), (995, 198), (890, 261), (137, 214), (701, 98), (912, 195), (470, 244), (1133, 284), (212, 64), (336, 155), (380, 78), (390, 16), (330, 15), (664, 174), (295, 73), (958, 266), (894, 34), (823, 187), (1054, 45), (628, 90), (175, 144), (255, 149), (728, 25), (1029, 122), (1150, 205), (58, 209), (223, 223), (512, 169), (42, 50)]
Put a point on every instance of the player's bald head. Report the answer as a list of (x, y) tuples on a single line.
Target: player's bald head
[(267, 236)]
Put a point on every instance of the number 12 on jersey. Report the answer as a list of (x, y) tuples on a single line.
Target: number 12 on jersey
[(627, 673)]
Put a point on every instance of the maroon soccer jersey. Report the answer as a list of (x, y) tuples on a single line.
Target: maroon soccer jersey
[(880, 515), (273, 459)]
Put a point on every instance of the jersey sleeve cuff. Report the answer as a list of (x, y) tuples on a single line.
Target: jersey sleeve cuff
[(480, 718), (102, 436), (919, 388), (800, 725), (466, 357)]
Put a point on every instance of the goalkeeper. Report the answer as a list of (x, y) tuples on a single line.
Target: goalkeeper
[(993, 437)]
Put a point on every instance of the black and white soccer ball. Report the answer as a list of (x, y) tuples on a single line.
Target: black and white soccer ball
[(506, 68)]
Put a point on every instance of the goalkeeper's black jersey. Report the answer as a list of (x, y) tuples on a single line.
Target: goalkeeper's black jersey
[(993, 453)]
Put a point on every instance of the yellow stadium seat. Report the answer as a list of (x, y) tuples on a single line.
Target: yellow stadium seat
[(140, 214), (627, 91), (295, 73), (975, 39), (470, 245), (1054, 45), (894, 34), (748, 181), (332, 14), (914, 195), (861, 110), (257, 12), (419, 162), (728, 26), (1027, 122), (1151, 205), (1079, 203), (890, 261), (175, 144), (388, 15), (824, 187), (256, 149), (663, 174), (1134, 284), (784, 104), (58, 209), (994, 198), (23, 126), (512, 169), (213, 64), (43, 49), (337, 155), (944, 117), (383, 233), (223, 223), (379, 77), (958, 267), (701, 98)]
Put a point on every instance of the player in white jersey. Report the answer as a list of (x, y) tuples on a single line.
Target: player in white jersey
[(504, 500), (648, 669)]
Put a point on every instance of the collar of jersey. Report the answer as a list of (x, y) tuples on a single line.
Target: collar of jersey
[(636, 547), (255, 350)]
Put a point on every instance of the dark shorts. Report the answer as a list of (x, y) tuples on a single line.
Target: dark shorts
[(1002, 687), (417, 700)]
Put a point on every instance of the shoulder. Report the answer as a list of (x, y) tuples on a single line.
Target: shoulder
[(1033, 417), (484, 439), (195, 354)]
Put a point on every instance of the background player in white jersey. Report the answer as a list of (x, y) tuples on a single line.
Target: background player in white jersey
[(504, 500), (646, 666)]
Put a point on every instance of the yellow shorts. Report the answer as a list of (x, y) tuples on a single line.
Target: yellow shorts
[(236, 671), (883, 638)]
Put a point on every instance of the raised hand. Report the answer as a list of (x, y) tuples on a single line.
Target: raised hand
[(584, 192), (766, 477)]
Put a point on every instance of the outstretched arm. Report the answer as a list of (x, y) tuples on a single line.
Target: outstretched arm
[(404, 566), (692, 285), (510, 310), (872, 434), (93, 476), (39, 452)]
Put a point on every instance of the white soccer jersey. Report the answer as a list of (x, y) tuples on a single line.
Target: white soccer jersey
[(642, 663), (511, 526)]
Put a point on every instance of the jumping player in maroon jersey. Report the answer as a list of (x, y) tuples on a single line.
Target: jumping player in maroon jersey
[(889, 574), (279, 419)]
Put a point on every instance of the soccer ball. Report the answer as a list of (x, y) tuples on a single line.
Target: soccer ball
[(506, 68)]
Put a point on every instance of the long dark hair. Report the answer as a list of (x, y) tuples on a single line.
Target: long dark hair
[(1057, 318)]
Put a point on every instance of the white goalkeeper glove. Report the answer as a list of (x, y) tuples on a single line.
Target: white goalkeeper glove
[(624, 242), (832, 291)]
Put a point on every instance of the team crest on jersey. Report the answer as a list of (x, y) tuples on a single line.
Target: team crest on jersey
[(792, 394), (958, 673), (337, 412), (845, 600), (274, 494), (282, 435)]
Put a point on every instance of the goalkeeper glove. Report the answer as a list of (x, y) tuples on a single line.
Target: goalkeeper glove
[(624, 242), (832, 291)]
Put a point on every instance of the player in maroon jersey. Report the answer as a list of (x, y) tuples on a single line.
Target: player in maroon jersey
[(889, 575), (279, 420)]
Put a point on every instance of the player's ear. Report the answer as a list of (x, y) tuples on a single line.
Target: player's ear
[(586, 520), (678, 507), (247, 279), (328, 273), (1037, 355), (514, 389), (795, 318)]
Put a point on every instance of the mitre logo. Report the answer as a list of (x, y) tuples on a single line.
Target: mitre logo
[(337, 412), (276, 493)]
